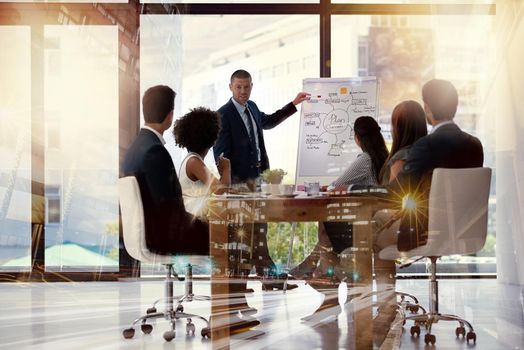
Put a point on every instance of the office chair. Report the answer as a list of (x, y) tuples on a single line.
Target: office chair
[(133, 227), (457, 224)]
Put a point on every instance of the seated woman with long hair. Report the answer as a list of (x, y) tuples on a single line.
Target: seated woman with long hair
[(334, 237), (365, 170), (408, 124)]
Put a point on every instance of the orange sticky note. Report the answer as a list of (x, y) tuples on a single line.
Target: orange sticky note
[(343, 90)]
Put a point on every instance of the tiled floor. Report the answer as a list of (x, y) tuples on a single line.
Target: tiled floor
[(92, 316)]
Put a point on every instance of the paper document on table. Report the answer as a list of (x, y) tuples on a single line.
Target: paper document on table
[(237, 195)]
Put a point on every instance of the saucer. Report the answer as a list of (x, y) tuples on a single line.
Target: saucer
[(292, 195)]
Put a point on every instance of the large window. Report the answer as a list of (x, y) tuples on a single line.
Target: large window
[(196, 55), (15, 148), (81, 152), (404, 52), (65, 67)]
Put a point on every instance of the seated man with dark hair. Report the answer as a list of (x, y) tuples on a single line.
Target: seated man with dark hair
[(169, 228), (446, 146)]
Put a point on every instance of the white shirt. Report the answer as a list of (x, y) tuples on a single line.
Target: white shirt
[(440, 124), (194, 193), (159, 135), (242, 111), (359, 172)]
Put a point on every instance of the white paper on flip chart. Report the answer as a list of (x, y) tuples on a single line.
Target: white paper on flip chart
[(326, 146)]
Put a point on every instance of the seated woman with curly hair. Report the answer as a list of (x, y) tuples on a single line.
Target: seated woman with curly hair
[(197, 131)]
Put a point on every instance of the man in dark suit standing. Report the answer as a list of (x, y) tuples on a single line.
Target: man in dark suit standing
[(169, 228), (241, 135), (241, 140)]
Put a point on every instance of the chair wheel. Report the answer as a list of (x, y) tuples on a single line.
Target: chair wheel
[(413, 308), (460, 331), (169, 335), (151, 310), (190, 329), (206, 332), (415, 330), (180, 308), (430, 338), (128, 333), (146, 328), (471, 336)]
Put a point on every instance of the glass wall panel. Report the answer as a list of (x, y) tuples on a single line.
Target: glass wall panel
[(15, 148), (81, 147), (404, 52), (196, 55)]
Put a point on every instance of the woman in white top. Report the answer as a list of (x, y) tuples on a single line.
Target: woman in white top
[(197, 131)]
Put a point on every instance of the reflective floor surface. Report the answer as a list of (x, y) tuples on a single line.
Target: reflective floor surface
[(92, 315)]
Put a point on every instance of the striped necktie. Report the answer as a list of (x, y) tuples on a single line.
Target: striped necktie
[(251, 128)]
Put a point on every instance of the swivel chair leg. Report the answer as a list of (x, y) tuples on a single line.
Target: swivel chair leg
[(433, 316), (173, 310), (187, 296)]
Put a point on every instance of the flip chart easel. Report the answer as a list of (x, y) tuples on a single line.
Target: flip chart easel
[(326, 145)]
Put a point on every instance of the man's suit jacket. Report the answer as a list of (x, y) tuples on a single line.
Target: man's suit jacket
[(446, 147), (169, 228), (233, 139)]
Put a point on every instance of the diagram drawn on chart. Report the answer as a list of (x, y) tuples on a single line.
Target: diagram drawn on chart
[(326, 137)]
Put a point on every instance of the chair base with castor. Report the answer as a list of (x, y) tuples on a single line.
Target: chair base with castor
[(187, 296), (457, 215), (403, 304), (172, 311), (433, 316)]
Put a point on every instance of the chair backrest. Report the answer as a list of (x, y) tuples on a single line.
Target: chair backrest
[(458, 211), (133, 222)]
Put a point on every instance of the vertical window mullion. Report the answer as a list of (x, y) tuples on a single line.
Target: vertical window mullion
[(37, 150), (325, 38)]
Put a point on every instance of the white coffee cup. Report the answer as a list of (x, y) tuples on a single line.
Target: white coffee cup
[(312, 188), (265, 188), (286, 189)]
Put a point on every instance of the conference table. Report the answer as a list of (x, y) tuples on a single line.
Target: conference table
[(226, 209)]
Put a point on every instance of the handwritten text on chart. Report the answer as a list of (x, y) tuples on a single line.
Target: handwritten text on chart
[(326, 142)]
